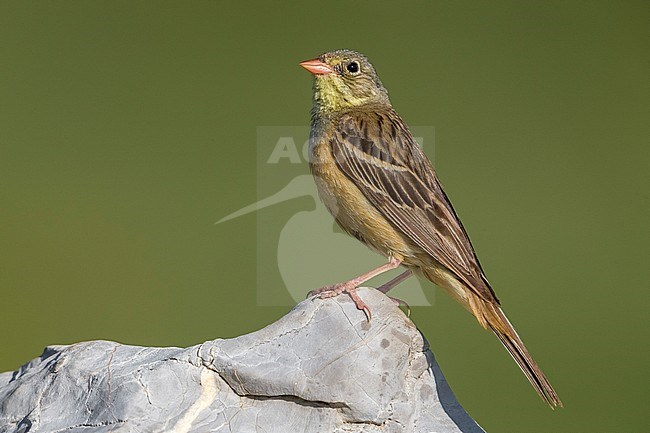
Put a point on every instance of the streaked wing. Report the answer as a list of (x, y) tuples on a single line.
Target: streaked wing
[(377, 152)]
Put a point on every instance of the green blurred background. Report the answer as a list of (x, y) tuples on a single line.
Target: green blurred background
[(128, 128)]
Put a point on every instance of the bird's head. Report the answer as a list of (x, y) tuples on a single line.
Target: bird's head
[(344, 79)]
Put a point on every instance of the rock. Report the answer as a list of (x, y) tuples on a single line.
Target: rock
[(321, 368)]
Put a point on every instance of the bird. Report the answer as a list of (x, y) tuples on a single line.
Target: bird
[(381, 188)]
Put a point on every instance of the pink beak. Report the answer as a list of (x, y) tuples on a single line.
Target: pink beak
[(317, 67)]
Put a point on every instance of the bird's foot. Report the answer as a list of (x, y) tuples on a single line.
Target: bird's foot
[(336, 289), (401, 303)]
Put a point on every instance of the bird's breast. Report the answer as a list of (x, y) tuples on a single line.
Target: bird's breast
[(350, 208)]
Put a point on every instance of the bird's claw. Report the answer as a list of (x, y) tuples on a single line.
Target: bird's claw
[(401, 303), (359, 303), (335, 290), (324, 292)]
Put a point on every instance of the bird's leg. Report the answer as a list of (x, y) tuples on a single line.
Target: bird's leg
[(350, 287), (384, 288), (336, 289)]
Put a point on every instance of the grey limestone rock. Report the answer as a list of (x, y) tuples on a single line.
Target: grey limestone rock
[(320, 368)]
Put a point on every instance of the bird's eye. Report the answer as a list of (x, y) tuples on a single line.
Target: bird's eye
[(353, 67)]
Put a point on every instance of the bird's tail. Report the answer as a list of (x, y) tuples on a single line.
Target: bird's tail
[(505, 332), (490, 315)]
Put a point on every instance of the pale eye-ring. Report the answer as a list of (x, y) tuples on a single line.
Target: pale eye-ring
[(353, 67)]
